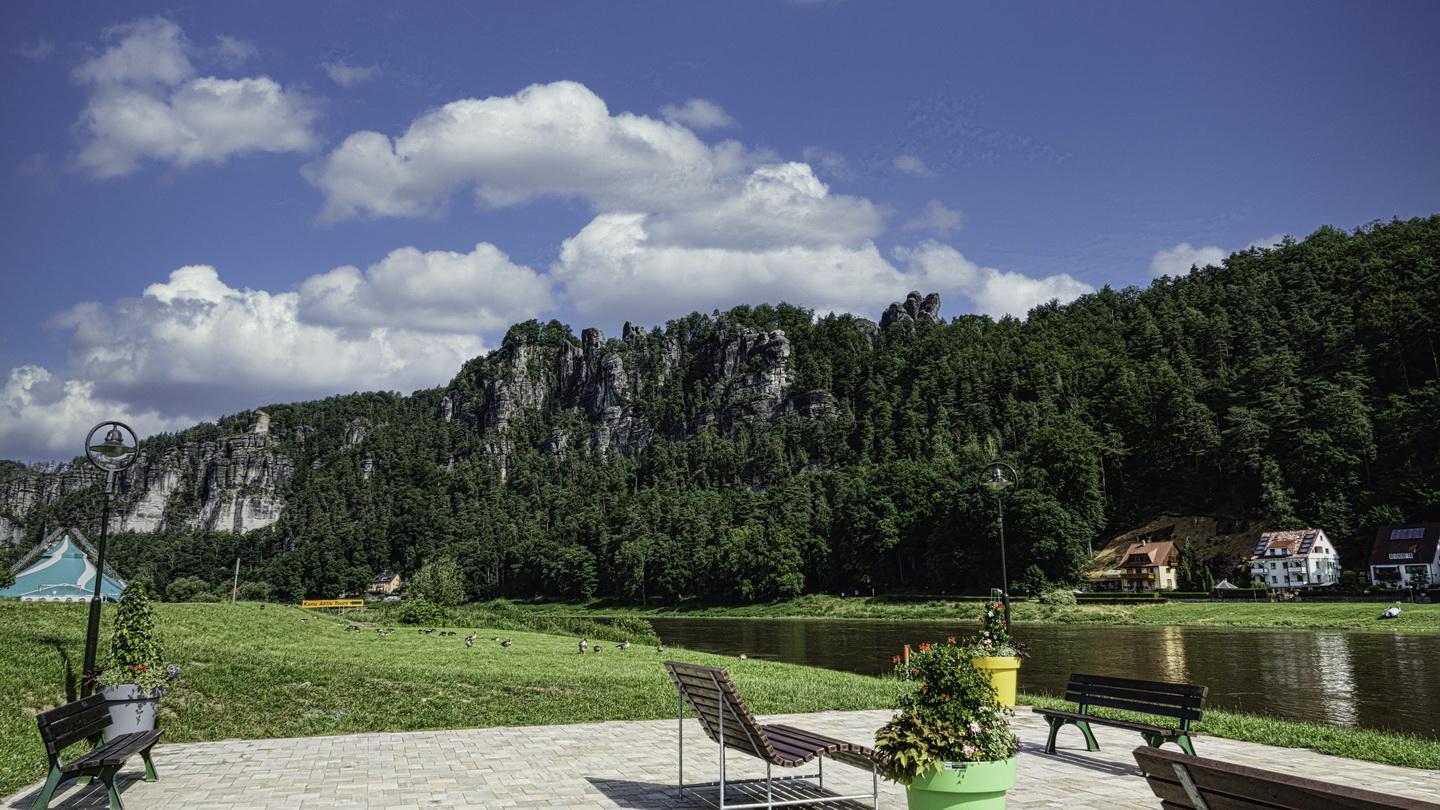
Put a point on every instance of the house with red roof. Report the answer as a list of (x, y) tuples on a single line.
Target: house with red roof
[(1302, 558), (1150, 566), (1406, 556)]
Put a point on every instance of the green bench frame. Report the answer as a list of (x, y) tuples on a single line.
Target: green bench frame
[(1177, 701), (82, 719)]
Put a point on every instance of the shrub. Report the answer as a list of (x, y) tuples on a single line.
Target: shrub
[(948, 712), (1058, 598), (134, 648), (255, 591), (419, 610), (438, 581), (187, 589)]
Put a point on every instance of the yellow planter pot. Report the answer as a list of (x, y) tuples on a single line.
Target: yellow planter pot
[(1002, 671)]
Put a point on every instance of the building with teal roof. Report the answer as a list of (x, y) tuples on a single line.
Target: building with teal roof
[(61, 568)]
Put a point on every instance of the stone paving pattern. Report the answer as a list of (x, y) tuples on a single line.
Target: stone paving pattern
[(630, 765)]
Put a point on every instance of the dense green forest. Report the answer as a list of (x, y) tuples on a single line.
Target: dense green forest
[(1298, 385)]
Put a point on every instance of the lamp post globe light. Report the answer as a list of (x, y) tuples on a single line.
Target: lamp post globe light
[(998, 477), (116, 452)]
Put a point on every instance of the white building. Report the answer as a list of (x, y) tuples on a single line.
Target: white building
[(1295, 559), (1406, 556)]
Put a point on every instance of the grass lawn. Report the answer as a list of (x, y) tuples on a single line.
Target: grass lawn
[(253, 672), (256, 673)]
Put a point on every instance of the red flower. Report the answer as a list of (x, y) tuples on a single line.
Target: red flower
[(924, 648)]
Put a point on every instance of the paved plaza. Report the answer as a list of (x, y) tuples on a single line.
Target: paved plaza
[(630, 765)]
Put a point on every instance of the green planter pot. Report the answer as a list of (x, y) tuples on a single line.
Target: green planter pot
[(971, 785)]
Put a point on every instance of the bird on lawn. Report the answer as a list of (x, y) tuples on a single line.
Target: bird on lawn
[(1391, 613), (659, 648), (470, 639), (583, 644), (743, 656), (506, 643), (597, 649), (625, 645)]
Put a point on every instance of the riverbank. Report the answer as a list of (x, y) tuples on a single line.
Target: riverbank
[(265, 672), (1363, 616)]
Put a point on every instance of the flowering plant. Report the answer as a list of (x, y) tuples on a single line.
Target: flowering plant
[(995, 639), (134, 649), (949, 713)]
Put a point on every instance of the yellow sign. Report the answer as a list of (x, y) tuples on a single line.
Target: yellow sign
[(316, 603)]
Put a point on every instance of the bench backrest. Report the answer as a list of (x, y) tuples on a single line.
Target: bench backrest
[(66, 725), (1179, 700), (713, 698), (1227, 785)]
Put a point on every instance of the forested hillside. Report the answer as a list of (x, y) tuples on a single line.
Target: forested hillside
[(713, 457)]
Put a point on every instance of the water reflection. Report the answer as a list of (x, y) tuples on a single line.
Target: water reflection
[(1367, 680), (1171, 648), (1336, 677)]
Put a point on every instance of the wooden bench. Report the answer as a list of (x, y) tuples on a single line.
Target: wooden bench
[(1177, 701), (88, 717), (1184, 782), (727, 721)]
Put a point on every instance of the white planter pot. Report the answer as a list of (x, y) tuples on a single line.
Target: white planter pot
[(131, 709)]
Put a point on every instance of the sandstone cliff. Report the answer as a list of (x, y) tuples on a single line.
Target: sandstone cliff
[(563, 395)]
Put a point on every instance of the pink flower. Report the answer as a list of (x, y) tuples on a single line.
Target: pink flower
[(967, 750), (974, 727)]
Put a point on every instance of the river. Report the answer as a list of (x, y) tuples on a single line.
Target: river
[(1366, 680)]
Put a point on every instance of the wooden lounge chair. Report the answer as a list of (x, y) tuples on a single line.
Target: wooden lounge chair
[(725, 717)]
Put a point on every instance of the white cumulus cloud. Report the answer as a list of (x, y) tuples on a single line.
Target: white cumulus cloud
[(994, 292), (1178, 260), (774, 206), (435, 291), (193, 344), (347, 75), (147, 102), (44, 416), (936, 217), (613, 268), (547, 140), (698, 113), (910, 164)]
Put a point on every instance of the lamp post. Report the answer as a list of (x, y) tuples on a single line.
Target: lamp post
[(995, 479), (111, 455)]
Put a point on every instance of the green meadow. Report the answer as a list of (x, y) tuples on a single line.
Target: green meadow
[(255, 672), (285, 672)]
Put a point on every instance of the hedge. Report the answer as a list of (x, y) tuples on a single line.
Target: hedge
[(1118, 596)]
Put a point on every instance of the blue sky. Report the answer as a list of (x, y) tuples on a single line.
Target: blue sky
[(211, 207)]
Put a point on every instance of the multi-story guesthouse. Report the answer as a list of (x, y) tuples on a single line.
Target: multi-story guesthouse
[(1406, 556), (1304, 558), (385, 584), (1149, 566)]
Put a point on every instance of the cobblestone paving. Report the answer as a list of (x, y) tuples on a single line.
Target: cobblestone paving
[(629, 765)]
